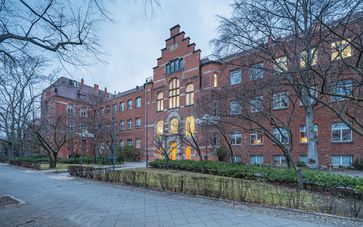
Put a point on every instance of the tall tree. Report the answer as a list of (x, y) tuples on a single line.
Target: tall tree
[(287, 35)]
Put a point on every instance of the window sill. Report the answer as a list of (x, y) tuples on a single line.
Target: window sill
[(257, 145), (284, 108), (342, 142)]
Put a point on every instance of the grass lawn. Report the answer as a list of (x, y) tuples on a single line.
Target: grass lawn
[(61, 166)]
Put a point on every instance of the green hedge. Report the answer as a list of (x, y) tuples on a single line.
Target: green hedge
[(312, 178)]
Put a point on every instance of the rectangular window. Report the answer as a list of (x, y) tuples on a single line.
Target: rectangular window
[(341, 160), (236, 158), (102, 111), (122, 106), (256, 71), (256, 159), (114, 107), (129, 124), (122, 143), (138, 102), (303, 159), (281, 135), (303, 133), (235, 77), (122, 125), (279, 160), (129, 104), (138, 143), (280, 100), (341, 88), (108, 110), (256, 104), (308, 60), (281, 64), (340, 132), (129, 142), (70, 126), (341, 49), (138, 122), (256, 137), (236, 138)]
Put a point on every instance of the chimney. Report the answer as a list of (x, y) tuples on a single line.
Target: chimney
[(96, 89), (174, 30), (82, 81), (106, 90)]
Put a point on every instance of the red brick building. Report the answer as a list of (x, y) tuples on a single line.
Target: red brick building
[(168, 102)]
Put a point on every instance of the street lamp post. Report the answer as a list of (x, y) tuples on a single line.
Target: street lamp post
[(114, 110)]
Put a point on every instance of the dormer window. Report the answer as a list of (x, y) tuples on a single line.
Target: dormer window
[(174, 66)]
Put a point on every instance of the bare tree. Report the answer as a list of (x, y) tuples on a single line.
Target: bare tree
[(286, 35), (52, 135), (20, 84), (192, 139)]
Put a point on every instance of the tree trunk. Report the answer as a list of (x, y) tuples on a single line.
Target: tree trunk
[(312, 154), (53, 161), (11, 151)]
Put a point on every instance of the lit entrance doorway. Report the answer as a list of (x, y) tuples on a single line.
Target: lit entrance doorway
[(187, 153), (173, 149)]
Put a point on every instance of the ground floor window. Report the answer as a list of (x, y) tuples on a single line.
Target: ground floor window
[(341, 160), (279, 160), (303, 159), (256, 159), (129, 142), (138, 143), (187, 152), (236, 158)]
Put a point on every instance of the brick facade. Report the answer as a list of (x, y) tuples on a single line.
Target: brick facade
[(184, 79)]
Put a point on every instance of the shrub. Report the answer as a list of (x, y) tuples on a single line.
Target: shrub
[(358, 164), (128, 153), (221, 153), (312, 178)]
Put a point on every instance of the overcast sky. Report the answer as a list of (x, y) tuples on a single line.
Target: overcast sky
[(133, 42)]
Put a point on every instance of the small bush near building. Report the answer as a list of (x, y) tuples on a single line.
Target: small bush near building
[(358, 164), (312, 179), (221, 153), (128, 153)]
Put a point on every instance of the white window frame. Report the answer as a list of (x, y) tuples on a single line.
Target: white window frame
[(302, 129), (281, 160), (129, 124), (129, 104), (234, 135), (341, 160), (235, 77), (341, 88), (280, 100), (256, 104), (280, 133), (256, 159), (341, 126), (235, 108), (122, 106), (138, 102), (122, 125), (137, 143), (257, 71), (138, 122), (129, 142), (256, 133)]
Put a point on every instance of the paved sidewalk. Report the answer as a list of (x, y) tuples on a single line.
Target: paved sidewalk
[(66, 201)]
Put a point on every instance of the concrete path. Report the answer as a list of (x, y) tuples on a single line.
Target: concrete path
[(59, 200)]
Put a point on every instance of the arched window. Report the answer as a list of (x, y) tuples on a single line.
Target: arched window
[(215, 80), (235, 108), (70, 109), (160, 101), (159, 128), (174, 93), (83, 112), (174, 126), (189, 96), (189, 125)]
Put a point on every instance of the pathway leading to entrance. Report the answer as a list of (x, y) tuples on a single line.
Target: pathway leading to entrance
[(60, 200)]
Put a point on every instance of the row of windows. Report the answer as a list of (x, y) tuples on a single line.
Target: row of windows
[(339, 50), (340, 90), (71, 110), (335, 160), (173, 95), (340, 132), (174, 126), (130, 104), (174, 66), (129, 124), (130, 143)]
